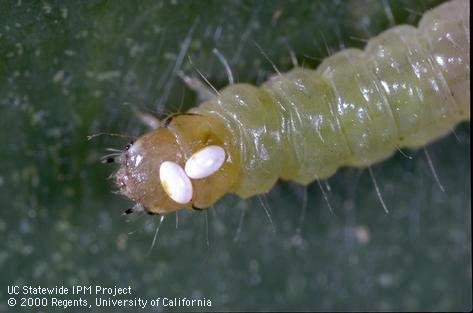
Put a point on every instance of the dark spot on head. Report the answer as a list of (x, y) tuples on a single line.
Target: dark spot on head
[(129, 211), (196, 208), (128, 146), (168, 120)]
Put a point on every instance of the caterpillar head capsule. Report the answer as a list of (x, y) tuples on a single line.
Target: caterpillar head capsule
[(152, 171)]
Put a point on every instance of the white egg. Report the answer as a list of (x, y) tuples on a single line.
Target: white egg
[(175, 182), (205, 162)]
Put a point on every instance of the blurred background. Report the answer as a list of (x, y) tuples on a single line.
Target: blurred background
[(72, 69)]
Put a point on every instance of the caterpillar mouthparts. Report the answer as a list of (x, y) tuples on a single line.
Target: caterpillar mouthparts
[(407, 88)]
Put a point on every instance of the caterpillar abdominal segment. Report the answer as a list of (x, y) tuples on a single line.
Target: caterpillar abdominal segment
[(407, 88)]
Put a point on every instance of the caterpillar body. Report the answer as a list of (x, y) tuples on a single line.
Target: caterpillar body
[(407, 88)]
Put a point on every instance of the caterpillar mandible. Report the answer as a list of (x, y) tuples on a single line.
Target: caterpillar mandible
[(407, 88)]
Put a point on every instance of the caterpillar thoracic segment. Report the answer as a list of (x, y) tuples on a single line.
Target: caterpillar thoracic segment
[(407, 88)]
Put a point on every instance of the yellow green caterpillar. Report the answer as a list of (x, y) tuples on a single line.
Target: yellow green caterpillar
[(407, 88)]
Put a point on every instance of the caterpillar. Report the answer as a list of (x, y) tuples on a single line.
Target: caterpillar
[(407, 88)]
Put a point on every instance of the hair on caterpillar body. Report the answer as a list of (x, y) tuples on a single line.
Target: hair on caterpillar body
[(407, 88)]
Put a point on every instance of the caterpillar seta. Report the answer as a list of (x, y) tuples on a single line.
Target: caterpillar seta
[(407, 88)]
